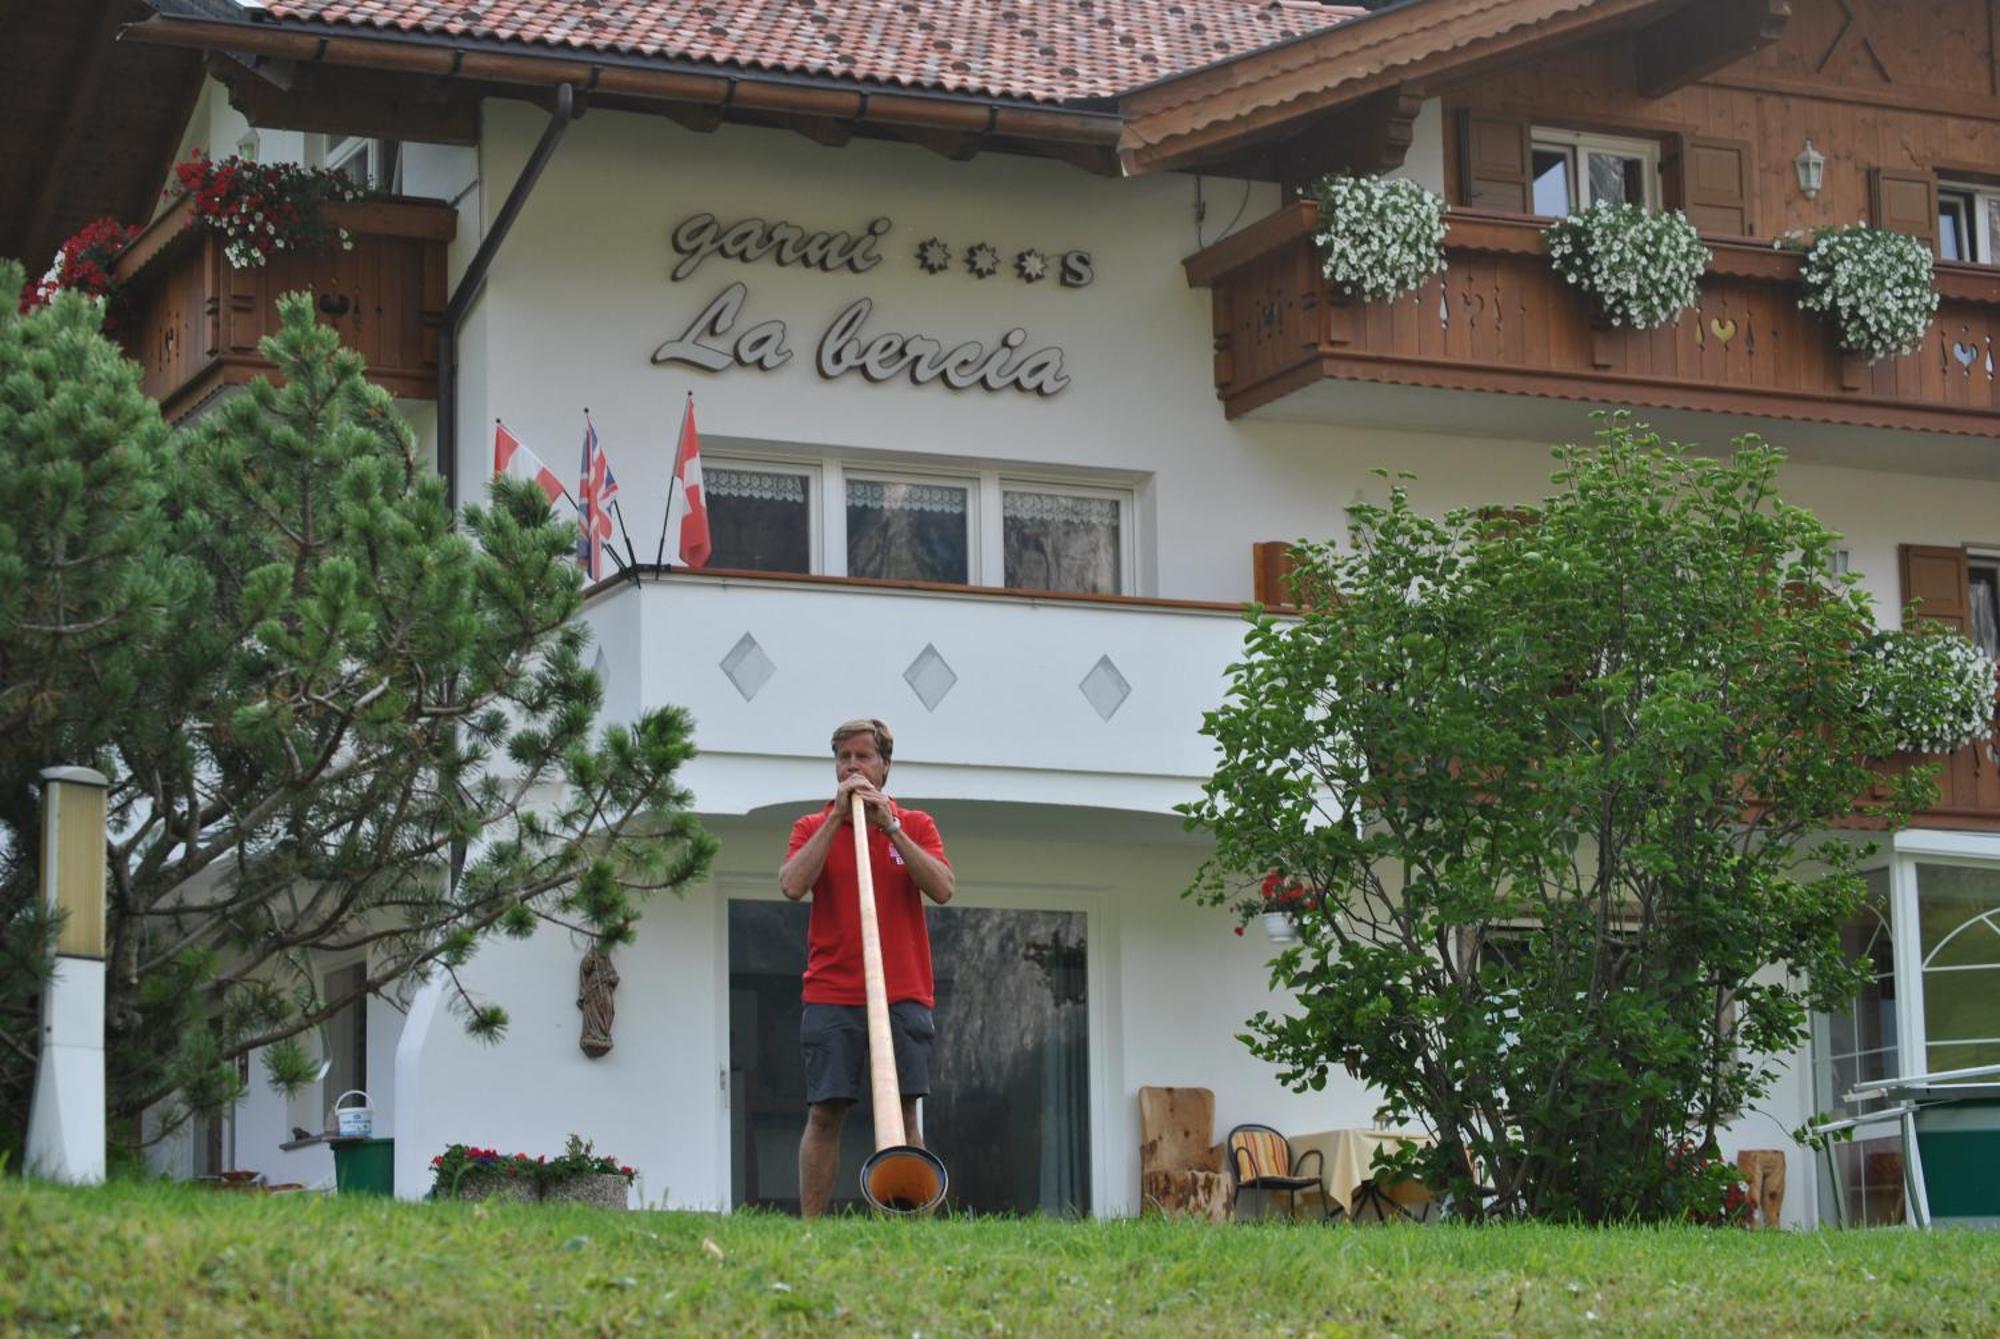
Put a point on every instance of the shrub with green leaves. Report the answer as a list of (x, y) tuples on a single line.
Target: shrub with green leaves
[(1568, 774), (1640, 267), (1874, 285), (1379, 237)]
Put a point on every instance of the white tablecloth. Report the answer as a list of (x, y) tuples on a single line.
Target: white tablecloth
[(1350, 1161)]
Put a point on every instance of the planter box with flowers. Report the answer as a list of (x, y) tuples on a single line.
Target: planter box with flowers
[(201, 282), (578, 1175)]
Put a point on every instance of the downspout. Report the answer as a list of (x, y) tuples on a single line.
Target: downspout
[(474, 279)]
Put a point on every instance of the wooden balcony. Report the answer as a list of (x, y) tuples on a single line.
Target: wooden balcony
[(1500, 319), (196, 320)]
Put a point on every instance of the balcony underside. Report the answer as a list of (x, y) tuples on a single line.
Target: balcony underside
[(1499, 322)]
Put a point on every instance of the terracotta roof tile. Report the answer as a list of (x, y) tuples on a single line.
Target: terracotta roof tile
[(1041, 50)]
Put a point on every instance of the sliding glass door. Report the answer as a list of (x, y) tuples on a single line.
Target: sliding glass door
[(1009, 1111)]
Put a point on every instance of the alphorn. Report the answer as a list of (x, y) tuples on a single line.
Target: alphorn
[(898, 1178)]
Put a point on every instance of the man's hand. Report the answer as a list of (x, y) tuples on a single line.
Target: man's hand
[(876, 802)]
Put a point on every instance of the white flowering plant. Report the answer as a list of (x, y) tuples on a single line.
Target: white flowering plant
[(1876, 287), (1641, 267), (1379, 237), (1934, 686)]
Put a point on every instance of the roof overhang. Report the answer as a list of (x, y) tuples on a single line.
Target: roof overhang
[(1219, 113), (91, 127), (306, 76)]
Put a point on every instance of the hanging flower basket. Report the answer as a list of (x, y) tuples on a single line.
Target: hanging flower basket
[(1280, 926), (1874, 285), (1379, 237), (1641, 268), (1935, 687)]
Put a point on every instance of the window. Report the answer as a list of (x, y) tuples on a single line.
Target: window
[(1968, 223), (1983, 589), (759, 520), (1958, 938), (1572, 170), (1060, 541), (900, 530), (367, 162), (983, 527), (346, 1034)]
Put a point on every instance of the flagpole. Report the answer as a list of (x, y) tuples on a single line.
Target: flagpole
[(660, 558), (619, 512)]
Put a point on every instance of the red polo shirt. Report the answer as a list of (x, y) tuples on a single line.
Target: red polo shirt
[(833, 940)]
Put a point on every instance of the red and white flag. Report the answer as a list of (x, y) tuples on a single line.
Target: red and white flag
[(686, 535), (516, 461), (597, 490)]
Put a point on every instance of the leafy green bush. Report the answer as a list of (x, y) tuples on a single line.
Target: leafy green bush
[(1566, 774)]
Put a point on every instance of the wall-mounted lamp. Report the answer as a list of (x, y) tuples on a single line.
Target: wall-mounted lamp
[(1811, 164)]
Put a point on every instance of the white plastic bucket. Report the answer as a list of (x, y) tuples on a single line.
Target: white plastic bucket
[(353, 1122)]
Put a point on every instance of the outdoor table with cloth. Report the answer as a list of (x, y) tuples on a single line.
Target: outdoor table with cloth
[(1350, 1161)]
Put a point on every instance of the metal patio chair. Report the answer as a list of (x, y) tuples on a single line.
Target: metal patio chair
[(1261, 1159)]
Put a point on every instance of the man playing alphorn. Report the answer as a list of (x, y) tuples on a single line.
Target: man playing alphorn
[(909, 864)]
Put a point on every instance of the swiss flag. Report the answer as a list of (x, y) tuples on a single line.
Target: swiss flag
[(518, 462), (686, 535)]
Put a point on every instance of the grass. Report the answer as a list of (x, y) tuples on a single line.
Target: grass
[(160, 1259)]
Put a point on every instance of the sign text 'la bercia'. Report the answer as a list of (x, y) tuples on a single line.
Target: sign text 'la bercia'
[(719, 337)]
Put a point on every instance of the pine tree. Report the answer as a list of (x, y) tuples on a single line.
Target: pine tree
[(332, 719)]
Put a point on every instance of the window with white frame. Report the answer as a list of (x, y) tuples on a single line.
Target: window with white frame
[(1573, 169), (367, 162), (985, 527), (1968, 223), (1958, 942)]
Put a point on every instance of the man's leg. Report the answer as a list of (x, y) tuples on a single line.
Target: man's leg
[(819, 1156), (911, 1134)]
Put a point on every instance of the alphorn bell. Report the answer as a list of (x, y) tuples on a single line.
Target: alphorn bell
[(898, 1178)]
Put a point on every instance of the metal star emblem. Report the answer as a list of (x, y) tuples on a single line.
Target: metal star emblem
[(933, 256), (1032, 266), (982, 260)]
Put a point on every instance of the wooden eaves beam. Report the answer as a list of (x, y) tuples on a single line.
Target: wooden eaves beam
[(1700, 38), (826, 111)]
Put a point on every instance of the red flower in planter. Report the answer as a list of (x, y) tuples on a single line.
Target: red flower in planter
[(262, 208), (83, 264)]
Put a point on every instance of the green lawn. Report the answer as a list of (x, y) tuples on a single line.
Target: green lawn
[(151, 1259)]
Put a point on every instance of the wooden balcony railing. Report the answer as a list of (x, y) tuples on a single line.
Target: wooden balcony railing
[(196, 320), (1501, 319)]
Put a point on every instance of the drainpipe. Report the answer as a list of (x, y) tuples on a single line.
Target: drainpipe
[(474, 279)]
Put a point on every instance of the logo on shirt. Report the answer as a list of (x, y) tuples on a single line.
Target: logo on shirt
[(896, 855)]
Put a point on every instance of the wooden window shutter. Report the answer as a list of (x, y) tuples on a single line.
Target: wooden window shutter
[(1271, 570), (1936, 576), (1495, 163), (1904, 202), (1716, 182)]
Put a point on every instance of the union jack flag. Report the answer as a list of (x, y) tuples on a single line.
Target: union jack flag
[(594, 497)]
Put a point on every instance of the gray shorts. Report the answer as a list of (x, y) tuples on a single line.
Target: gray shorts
[(834, 1039)]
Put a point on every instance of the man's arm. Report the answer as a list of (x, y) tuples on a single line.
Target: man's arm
[(932, 875), (798, 874)]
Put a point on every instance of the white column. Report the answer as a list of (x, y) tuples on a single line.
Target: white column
[(66, 1119)]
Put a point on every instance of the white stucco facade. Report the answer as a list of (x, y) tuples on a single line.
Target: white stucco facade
[(1045, 802)]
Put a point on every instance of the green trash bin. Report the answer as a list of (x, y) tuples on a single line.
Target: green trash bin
[(364, 1166)]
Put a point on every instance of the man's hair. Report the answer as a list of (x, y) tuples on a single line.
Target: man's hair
[(885, 742)]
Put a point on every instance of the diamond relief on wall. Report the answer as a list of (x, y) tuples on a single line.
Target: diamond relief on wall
[(747, 666), (1105, 688), (929, 677)]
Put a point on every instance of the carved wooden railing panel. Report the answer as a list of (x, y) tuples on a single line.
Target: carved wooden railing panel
[(196, 321), (1500, 319)]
